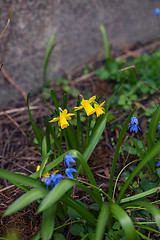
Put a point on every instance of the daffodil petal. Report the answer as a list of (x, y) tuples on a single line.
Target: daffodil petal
[(102, 104), (54, 119), (92, 99), (78, 108)]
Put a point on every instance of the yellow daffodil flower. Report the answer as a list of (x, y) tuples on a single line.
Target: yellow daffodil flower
[(99, 109), (47, 174), (62, 119), (86, 104)]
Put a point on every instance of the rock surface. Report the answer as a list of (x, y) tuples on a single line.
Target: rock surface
[(78, 38)]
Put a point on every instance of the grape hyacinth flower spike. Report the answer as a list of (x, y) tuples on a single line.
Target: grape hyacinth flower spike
[(69, 159), (134, 125), (158, 127)]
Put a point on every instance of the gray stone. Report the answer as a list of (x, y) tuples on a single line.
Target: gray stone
[(78, 38)]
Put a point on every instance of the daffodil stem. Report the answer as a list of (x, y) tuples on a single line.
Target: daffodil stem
[(88, 129), (66, 139)]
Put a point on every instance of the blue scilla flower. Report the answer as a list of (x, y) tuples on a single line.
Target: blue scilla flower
[(158, 127), (69, 159), (134, 125), (69, 172), (156, 12), (53, 180), (134, 120), (158, 164)]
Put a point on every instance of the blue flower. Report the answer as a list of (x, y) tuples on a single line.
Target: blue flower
[(158, 126), (69, 159), (69, 172), (53, 180), (134, 120), (158, 164), (134, 125), (156, 12)]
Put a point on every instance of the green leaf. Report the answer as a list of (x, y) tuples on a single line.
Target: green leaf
[(77, 229), (148, 156), (154, 123), (34, 125), (85, 213), (59, 236), (25, 200), (124, 220), (149, 207), (140, 195), (56, 140), (20, 179), (55, 100), (48, 222), (44, 162), (55, 194), (102, 222), (116, 154), (49, 49), (105, 40), (44, 148)]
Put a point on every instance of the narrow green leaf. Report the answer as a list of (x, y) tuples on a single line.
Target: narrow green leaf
[(64, 106), (125, 221), (49, 49), (20, 179), (25, 200), (140, 195), (154, 123), (56, 140), (44, 148), (95, 138), (148, 156), (55, 100), (149, 207), (102, 222), (44, 162), (85, 213), (105, 40), (34, 125), (48, 222), (55, 194), (72, 137), (116, 154)]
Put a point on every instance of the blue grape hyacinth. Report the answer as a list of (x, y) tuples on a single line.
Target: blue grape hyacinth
[(134, 125), (156, 12), (158, 127), (69, 159)]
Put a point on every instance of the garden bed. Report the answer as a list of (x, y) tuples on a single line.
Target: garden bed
[(20, 156)]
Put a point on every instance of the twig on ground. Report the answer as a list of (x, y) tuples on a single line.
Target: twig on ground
[(15, 110), (83, 78), (10, 80), (17, 125)]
